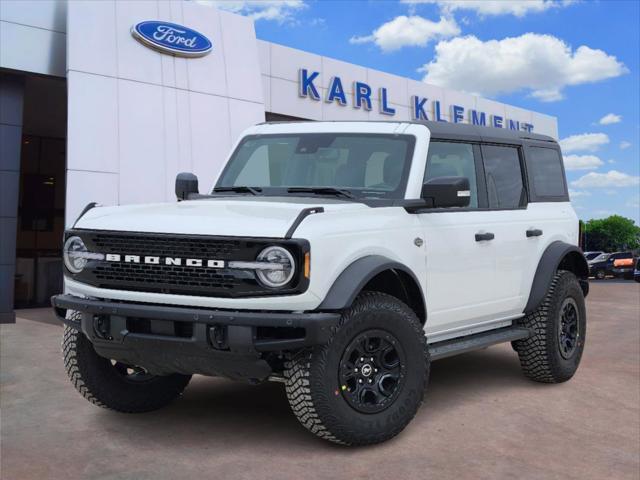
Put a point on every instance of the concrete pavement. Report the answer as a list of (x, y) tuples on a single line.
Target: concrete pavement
[(481, 418)]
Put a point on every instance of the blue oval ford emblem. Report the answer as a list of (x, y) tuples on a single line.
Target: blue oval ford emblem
[(171, 38)]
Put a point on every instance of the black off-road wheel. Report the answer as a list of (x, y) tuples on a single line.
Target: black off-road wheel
[(366, 384), (113, 385), (553, 352)]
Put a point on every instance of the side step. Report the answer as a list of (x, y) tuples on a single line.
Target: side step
[(455, 346)]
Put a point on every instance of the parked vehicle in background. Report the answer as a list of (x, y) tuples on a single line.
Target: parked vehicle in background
[(598, 266), (623, 267), (605, 265), (592, 255), (636, 272)]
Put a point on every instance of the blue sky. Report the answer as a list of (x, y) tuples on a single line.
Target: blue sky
[(576, 60)]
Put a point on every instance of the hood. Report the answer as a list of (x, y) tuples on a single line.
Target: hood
[(237, 217)]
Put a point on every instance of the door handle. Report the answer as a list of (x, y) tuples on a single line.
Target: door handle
[(534, 232), (483, 237)]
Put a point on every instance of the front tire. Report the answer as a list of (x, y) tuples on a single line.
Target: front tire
[(553, 352), (365, 385), (113, 385)]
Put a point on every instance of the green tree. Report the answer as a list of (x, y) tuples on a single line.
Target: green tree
[(612, 234)]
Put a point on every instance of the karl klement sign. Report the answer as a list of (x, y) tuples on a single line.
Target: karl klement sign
[(420, 111)]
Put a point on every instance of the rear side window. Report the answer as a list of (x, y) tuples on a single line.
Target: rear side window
[(503, 172), (545, 167)]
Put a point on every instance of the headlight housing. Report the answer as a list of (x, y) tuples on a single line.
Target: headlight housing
[(76, 255), (279, 267)]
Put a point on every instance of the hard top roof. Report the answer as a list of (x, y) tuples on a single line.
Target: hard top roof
[(453, 131)]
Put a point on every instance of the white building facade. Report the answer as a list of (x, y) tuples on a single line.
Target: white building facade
[(90, 111)]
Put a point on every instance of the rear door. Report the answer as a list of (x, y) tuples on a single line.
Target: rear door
[(508, 219)]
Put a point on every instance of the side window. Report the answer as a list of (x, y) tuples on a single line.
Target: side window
[(505, 187), (453, 159), (545, 167)]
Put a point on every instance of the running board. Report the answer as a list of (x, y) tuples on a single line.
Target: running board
[(455, 346)]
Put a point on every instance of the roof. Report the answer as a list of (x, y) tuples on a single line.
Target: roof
[(446, 129), (453, 131)]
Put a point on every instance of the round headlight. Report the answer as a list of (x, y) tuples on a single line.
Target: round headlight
[(74, 253), (283, 267)]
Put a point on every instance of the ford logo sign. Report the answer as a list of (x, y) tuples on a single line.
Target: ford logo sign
[(167, 37)]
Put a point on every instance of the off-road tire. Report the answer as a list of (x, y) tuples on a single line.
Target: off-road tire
[(312, 383), (99, 382), (539, 354)]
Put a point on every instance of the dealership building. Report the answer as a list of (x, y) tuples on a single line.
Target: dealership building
[(106, 101)]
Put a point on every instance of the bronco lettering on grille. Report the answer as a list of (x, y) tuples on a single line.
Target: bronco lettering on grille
[(152, 260)]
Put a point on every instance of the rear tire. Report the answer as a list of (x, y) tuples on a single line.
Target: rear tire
[(112, 385), (553, 352), (365, 385)]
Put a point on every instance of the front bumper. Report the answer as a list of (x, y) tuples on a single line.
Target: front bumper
[(618, 271), (167, 339)]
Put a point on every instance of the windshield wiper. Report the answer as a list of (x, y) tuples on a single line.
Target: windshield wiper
[(239, 189), (338, 192)]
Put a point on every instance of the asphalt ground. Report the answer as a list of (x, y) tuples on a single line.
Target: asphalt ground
[(481, 418)]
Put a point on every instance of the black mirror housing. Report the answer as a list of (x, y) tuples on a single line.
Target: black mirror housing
[(186, 185), (443, 192)]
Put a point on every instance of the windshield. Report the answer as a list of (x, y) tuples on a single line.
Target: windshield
[(358, 165), (602, 257), (592, 255)]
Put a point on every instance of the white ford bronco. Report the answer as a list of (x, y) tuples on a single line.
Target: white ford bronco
[(340, 258)]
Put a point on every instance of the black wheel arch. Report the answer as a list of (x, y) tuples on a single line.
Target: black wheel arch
[(557, 256), (376, 273)]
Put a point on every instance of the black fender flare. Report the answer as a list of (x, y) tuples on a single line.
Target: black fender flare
[(557, 254), (353, 279)]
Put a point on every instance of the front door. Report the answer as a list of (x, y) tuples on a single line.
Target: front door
[(460, 257)]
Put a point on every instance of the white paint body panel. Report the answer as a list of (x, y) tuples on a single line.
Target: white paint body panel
[(469, 286)]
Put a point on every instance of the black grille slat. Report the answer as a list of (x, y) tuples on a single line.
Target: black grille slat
[(177, 279)]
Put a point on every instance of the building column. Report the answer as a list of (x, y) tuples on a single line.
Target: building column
[(11, 101)]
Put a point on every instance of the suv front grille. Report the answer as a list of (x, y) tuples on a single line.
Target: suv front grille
[(178, 276), (170, 246), (181, 279)]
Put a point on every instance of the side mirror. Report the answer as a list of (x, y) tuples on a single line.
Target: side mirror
[(186, 184), (442, 192)]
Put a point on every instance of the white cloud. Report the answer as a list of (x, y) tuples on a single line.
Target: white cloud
[(584, 142), (582, 162), (633, 202), (611, 179), (280, 11), (624, 145), (610, 118), (413, 31), (518, 8), (578, 193), (541, 64)]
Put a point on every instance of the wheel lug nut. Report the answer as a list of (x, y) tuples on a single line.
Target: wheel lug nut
[(375, 370), (355, 369), (360, 380), (362, 359), (370, 381)]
